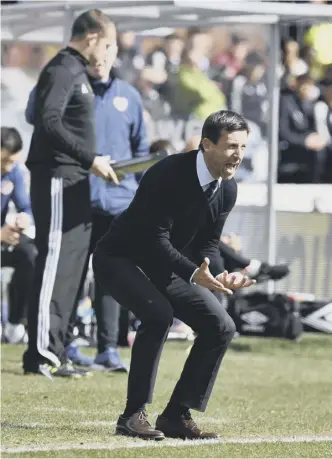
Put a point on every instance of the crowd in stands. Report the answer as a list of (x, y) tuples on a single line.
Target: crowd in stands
[(187, 75), (183, 78)]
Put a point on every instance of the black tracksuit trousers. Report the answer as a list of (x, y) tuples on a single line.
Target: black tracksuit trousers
[(62, 213)]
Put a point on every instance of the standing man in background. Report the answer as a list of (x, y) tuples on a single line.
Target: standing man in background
[(121, 135), (62, 152)]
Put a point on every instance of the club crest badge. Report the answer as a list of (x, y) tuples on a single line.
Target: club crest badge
[(120, 103), (6, 187)]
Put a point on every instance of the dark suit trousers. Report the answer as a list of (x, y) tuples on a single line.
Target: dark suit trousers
[(155, 308)]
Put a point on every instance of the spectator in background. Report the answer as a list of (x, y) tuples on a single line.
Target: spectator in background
[(233, 259), (153, 102), (292, 64), (196, 95), (121, 135), (302, 148), (200, 42), (318, 39), (233, 61), (168, 56), (162, 145), (249, 92), (323, 120), (17, 249), (327, 79), (168, 59), (129, 61), (227, 65)]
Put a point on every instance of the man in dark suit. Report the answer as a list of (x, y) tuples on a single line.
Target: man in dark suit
[(161, 259)]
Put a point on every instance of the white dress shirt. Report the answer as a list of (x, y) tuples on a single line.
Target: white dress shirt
[(203, 173), (204, 178)]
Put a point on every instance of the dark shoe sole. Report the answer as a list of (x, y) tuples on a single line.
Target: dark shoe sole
[(127, 433), (99, 367), (87, 374), (184, 437)]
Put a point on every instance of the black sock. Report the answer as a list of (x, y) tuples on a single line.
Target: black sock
[(132, 408), (174, 410)]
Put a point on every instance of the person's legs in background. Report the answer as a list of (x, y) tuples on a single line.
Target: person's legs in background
[(107, 314), (259, 270), (22, 259)]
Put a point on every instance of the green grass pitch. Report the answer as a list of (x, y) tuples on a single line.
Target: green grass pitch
[(272, 399)]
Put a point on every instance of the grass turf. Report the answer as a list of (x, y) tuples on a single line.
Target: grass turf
[(266, 388)]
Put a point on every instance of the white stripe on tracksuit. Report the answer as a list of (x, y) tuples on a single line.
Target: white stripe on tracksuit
[(50, 270)]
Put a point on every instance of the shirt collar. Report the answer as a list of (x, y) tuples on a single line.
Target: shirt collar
[(77, 54), (203, 173)]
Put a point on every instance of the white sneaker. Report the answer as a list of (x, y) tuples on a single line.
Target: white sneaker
[(14, 333)]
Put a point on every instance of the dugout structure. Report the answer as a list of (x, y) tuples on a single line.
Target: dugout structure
[(50, 21)]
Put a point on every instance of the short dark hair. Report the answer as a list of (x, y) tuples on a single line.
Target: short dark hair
[(91, 21), (304, 78), (11, 140), (254, 59), (162, 145), (172, 36), (219, 122), (237, 39)]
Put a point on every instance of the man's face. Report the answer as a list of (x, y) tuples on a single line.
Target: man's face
[(99, 45), (127, 39), (174, 47), (8, 160), (224, 157), (306, 90), (240, 51), (100, 70)]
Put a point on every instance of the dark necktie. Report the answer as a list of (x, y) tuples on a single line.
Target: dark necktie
[(211, 189)]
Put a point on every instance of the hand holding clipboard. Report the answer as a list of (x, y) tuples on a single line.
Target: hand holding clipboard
[(137, 165)]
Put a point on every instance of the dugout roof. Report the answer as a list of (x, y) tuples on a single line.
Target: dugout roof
[(48, 21)]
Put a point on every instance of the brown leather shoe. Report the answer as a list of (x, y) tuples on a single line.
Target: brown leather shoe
[(184, 427), (138, 426)]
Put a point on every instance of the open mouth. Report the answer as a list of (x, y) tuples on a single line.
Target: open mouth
[(231, 166)]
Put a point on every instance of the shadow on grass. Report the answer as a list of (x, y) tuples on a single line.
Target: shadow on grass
[(238, 347), (18, 371)]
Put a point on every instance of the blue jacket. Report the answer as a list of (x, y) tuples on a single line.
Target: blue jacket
[(13, 188), (121, 134)]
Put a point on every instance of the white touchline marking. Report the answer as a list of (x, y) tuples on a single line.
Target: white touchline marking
[(46, 425), (170, 443), (66, 410), (33, 425), (97, 423)]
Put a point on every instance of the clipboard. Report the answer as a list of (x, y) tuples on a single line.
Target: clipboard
[(136, 165)]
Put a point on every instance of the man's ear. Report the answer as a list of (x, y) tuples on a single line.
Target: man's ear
[(207, 144), (91, 39)]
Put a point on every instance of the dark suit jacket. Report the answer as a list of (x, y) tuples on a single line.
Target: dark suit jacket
[(170, 217)]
